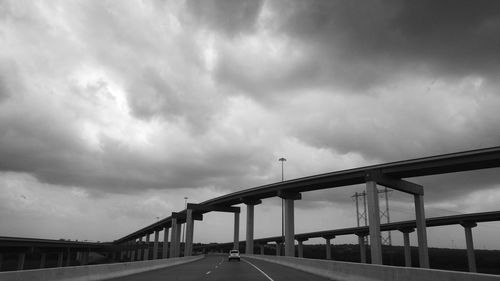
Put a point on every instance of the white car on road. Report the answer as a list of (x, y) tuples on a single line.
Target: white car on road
[(234, 255)]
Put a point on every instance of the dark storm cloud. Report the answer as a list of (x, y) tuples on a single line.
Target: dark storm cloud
[(360, 46), (231, 17), (455, 37), (157, 60), (153, 94)]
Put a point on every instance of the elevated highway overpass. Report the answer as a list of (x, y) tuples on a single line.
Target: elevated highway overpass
[(136, 246), (391, 175)]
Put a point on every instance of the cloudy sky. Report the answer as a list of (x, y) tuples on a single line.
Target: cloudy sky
[(111, 112)]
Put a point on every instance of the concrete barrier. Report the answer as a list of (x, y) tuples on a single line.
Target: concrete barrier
[(93, 272), (348, 271)]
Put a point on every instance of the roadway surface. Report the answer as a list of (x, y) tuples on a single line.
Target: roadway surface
[(217, 267)]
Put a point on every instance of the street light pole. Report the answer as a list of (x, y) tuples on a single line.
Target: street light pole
[(282, 160), (183, 235), (282, 174)]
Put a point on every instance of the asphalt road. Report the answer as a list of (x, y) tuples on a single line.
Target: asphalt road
[(218, 268)]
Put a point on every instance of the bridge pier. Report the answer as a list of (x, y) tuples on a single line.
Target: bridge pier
[(174, 242), (328, 246), (362, 246), (250, 223), (407, 248), (86, 256), (471, 258), (20, 260), (165, 242), (289, 198), (43, 260), (178, 240), (133, 250), (155, 245), (236, 239), (146, 250), (278, 248), (68, 258), (374, 177), (423, 251), (374, 222), (60, 256), (139, 250), (300, 247), (128, 251), (188, 249)]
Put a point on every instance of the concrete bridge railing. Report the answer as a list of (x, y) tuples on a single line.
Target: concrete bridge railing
[(93, 272), (347, 271)]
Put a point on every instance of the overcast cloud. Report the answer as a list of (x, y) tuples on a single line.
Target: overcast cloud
[(113, 111)]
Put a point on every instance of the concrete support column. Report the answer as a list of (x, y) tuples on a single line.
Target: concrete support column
[(130, 248), (278, 248), (406, 238), (165, 242), (173, 241), (301, 247), (374, 222), (407, 248), (236, 239), (60, 259), (146, 250), (20, 261), (289, 198), (86, 256), (178, 239), (289, 228), (250, 222), (43, 260), (261, 246), (328, 247), (423, 251), (68, 258), (133, 250), (188, 250), (139, 251), (471, 258), (362, 247), (155, 245)]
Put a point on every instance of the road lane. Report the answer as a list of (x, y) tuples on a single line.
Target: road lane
[(217, 267), (284, 273), (189, 271)]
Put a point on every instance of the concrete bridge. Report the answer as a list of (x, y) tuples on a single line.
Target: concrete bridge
[(136, 246)]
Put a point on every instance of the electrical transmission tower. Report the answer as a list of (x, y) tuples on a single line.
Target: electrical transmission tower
[(361, 215)]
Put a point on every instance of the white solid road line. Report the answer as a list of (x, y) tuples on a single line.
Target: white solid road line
[(270, 279)]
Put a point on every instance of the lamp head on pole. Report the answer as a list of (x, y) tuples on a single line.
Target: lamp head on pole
[(282, 159)]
